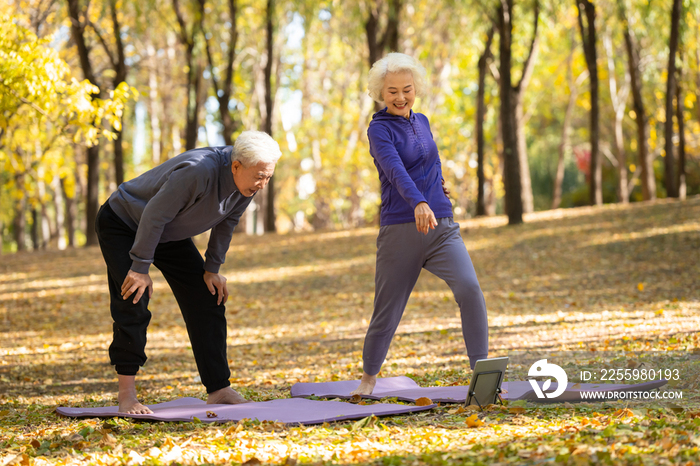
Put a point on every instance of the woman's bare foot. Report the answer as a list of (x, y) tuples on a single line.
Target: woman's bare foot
[(367, 384), (128, 402), (225, 396)]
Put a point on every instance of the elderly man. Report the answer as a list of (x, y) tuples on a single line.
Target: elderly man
[(150, 220)]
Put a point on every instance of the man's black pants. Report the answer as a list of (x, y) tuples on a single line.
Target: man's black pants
[(183, 268)]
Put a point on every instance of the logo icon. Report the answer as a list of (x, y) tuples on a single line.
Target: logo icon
[(542, 368)]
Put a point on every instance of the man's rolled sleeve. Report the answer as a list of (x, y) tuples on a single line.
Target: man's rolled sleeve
[(220, 240)]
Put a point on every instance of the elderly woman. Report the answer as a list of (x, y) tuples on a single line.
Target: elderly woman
[(150, 220), (417, 230)]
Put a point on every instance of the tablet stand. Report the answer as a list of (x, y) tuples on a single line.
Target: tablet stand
[(497, 389)]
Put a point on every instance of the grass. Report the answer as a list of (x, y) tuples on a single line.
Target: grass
[(613, 279)]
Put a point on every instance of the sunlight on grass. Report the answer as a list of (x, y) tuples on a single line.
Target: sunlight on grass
[(618, 278)]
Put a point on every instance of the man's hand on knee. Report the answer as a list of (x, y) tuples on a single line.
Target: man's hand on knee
[(137, 283), (217, 285)]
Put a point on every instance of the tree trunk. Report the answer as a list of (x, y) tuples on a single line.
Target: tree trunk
[(119, 66), (492, 198), (224, 89), (119, 158), (643, 156), (19, 224), (588, 37), (525, 179), (511, 159), (36, 243), (93, 179), (669, 159), (93, 153), (321, 219), (194, 72), (566, 130), (480, 117), (269, 211), (377, 44), (619, 101), (697, 72), (518, 98), (46, 227), (60, 208), (194, 81), (70, 216), (680, 181), (154, 106)]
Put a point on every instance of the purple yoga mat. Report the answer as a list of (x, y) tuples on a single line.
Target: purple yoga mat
[(405, 389), (289, 411)]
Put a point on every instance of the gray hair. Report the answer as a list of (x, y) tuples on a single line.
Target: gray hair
[(253, 147), (395, 63)]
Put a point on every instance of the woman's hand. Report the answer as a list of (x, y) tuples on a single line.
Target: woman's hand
[(425, 218), (444, 189)]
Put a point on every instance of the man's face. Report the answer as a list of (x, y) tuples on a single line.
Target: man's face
[(250, 180)]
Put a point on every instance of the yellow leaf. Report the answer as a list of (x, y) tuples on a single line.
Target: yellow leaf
[(640, 286), (624, 413), (474, 421)]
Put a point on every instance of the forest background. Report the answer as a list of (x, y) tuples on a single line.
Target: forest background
[(525, 117), (557, 103)]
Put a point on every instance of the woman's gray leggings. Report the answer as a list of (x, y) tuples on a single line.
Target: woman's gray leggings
[(402, 252)]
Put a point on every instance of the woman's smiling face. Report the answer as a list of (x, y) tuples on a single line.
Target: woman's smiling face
[(399, 93)]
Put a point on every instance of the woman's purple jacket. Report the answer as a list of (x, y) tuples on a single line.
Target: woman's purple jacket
[(409, 167)]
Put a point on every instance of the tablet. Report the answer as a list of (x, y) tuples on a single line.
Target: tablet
[(485, 385)]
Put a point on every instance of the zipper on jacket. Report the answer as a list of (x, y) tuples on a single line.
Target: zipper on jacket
[(425, 155)]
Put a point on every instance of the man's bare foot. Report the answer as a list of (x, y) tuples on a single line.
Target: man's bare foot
[(225, 396), (128, 402), (367, 384)]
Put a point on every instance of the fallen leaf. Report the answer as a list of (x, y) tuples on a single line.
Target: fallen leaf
[(424, 401), (252, 461), (623, 413), (516, 410), (459, 410), (364, 422), (474, 421), (75, 437), (109, 439), (21, 459)]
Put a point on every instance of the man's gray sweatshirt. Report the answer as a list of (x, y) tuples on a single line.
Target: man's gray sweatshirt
[(183, 197)]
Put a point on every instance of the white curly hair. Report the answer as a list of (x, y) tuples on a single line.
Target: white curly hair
[(395, 63), (253, 147)]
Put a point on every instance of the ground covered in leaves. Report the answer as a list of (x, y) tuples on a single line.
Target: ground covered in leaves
[(618, 279)]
